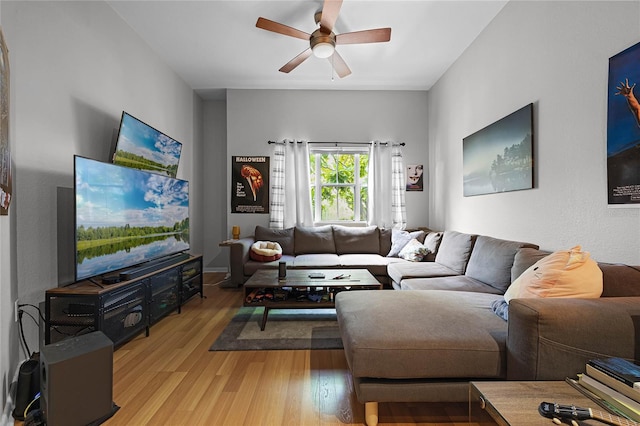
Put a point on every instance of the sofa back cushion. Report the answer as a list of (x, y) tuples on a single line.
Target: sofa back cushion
[(284, 237), (524, 258), (385, 241), (619, 280), (318, 239), (492, 259), (432, 242), (454, 250), (350, 240)]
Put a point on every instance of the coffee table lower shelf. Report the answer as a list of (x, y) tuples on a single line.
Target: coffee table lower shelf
[(264, 288)]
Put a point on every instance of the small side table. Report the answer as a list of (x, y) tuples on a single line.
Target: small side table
[(516, 403), (227, 279)]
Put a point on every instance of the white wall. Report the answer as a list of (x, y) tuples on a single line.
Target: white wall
[(554, 54), (257, 116), (75, 66)]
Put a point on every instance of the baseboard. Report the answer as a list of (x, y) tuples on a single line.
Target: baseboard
[(216, 269)]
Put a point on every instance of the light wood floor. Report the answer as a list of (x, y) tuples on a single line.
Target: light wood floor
[(171, 378)]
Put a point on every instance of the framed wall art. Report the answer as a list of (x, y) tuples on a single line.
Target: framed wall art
[(5, 153), (623, 129), (499, 157), (415, 177), (249, 184)]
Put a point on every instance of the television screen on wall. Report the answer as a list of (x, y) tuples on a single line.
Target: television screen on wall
[(142, 147), (126, 217)]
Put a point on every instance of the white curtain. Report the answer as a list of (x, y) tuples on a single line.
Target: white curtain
[(290, 186), (386, 186)]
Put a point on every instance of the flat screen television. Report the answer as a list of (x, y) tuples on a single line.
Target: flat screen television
[(126, 217), (143, 147)]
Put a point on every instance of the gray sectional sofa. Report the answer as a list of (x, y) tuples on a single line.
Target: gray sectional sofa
[(426, 342)]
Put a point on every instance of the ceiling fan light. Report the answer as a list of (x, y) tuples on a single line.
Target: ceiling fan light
[(323, 50)]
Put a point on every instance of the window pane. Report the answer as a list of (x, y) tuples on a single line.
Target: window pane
[(312, 168), (346, 168), (328, 168), (364, 202), (345, 203), (329, 204), (313, 199), (364, 165)]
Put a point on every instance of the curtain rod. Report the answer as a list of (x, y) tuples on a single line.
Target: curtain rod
[(341, 143)]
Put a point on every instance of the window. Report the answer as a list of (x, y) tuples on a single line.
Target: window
[(339, 184)]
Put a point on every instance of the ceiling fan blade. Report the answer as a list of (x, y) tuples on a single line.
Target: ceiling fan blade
[(377, 35), (292, 64), (338, 64), (279, 28), (330, 11)]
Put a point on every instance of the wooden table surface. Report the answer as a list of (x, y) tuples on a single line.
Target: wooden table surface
[(516, 403)]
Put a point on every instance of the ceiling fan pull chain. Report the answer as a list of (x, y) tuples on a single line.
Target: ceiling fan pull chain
[(332, 68)]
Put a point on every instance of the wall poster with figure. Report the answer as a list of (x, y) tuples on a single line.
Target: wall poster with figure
[(499, 158), (415, 177), (623, 129), (249, 184), (5, 153)]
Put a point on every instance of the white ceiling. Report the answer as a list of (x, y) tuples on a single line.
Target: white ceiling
[(214, 44)]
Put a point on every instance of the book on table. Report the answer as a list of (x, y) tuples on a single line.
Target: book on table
[(621, 402), (620, 369), (613, 383)]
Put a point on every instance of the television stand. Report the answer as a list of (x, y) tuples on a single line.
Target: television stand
[(124, 309)]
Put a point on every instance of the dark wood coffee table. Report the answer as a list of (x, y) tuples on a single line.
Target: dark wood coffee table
[(299, 290)]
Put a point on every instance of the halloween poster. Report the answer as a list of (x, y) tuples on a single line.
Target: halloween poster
[(249, 184)]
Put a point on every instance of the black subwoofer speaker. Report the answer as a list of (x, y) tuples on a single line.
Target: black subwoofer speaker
[(76, 380)]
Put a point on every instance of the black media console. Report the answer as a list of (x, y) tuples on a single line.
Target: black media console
[(122, 310)]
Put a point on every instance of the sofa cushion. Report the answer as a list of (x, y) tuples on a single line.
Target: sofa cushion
[(414, 251), (349, 240), (399, 271), (400, 238), (432, 242), (492, 259), (284, 237), (413, 334), (317, 239), (524, 258), (565, 273), (454, 250), (620, 280), (375, 263), (385, 241), (457, 283), (316, 261)]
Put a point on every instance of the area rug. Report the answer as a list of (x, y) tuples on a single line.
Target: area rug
[(285, 329)]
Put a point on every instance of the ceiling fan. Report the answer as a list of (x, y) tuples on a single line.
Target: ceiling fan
[(323, 41)]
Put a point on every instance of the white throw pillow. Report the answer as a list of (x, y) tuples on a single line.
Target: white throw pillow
[(399, 239), (414, 251)]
